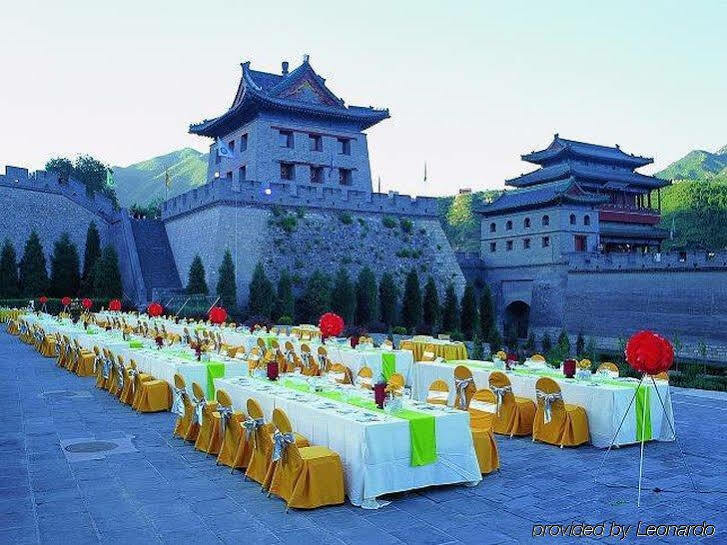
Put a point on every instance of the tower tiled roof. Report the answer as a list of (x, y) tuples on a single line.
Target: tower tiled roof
[(544, 194), (597, 173), (562, 147), (300, 91)]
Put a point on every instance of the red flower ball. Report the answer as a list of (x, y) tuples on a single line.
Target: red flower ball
[(87, 303), (154, 309), (649, 353), (217, 315), (66, 301), (115, 305), (330, 324), (42, 299)]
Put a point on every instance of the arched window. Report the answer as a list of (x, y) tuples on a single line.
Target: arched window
[(527, 223), (546, 220), (493, 227), (586, 220), (508, 225), (572, 219)]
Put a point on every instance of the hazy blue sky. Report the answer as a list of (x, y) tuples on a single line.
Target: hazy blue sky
[(470, 85)]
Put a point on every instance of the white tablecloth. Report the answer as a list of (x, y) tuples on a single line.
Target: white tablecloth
[(604, 404), (376, 456)]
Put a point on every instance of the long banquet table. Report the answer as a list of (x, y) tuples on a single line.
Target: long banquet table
[(375, 447), (605, 400)]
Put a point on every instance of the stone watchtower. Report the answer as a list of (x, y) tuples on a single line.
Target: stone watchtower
[(290, 132)]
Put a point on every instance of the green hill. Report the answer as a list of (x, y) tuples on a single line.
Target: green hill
[(459, 221), (143, 183), (696, 203)]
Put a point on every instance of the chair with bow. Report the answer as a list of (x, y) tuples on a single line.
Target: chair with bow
[(84, 361), (556, 422), (395, 383), (64, 351), (204, 410), (464, 387), (151, 395), (387, 344), (365, 378), (228, 425), (663, 376), (339, 373), (305, 477), (182, 406), (261, 344), (220, 421), (513, 415), (258, 458), (128, 394), (323, 361), (197, 404), (608, 368), (49, 344), (125, 392), (537, 357), (481, 421), (102, 368), (428, 356), (438, 392)]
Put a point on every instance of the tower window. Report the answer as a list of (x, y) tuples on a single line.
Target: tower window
[(286, 139), (345, 176), (493, 246), (316, 142), (546, 220), (586, 220), (579, 243), (242, 173), (493, 227), (243, 142), (572, 219), (231, 145), (526, 244), (287, 171), (526, 223), (316, 175), (508, 245), (344, 146), (546, 241), (508, 225)]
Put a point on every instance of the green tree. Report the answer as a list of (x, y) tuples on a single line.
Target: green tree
[(495, 341), (8, 271), (477, 349), (388, 299), (469, 319), (529, 345), (450, 310), (196, 283), (226, 287), (343, 296), (563, 343), (87, 170), (33, 274), (487, 313), (315, 300), (411, 309), (366, 297), (262, 297), (65, 278), (285, 302), (580, 345), (107, 276), (546, 343), (61, 166), (90, 255), (430, 305)]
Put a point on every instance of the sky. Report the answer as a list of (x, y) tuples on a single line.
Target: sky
[(470, 85)]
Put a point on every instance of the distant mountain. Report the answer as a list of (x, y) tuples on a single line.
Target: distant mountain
[(698, 165), (143, 182)]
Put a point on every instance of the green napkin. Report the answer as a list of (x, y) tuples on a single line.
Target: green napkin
[(214, 370), (136, 344), (388, 364)]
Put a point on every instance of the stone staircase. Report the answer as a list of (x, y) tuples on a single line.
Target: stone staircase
[(158, 268)]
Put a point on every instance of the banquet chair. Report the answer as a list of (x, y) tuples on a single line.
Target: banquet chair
[(218, 428), (557, 422), (340, 373), (406, 345), (464, 386), (661, 376), (513, 415), (537, 357), (387, 344), (365, 378), (100, 362), (112, 379), (64, 351), (48, 345), (481, 421), (428, 356), (231, 350), (84, 361), (68, 361), (438, 392), (255, 359), (204, 436), (231, 433), (261, 343), (289, 351), (151, 395), (323, 362), (608, 367), (310, 367), (304, 477), (191, 432), (128, 394), (121, 376), (395, 383), (274, 344)]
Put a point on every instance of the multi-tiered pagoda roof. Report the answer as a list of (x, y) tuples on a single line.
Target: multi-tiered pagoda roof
[(301, 91)]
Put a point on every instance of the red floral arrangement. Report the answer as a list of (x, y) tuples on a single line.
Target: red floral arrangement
[(331, 325), (649, 353), (154, 309), (87, 303), (66, 301), (42, 299), (217, 315), (115, 305)]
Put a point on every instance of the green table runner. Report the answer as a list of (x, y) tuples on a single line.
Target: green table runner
[(214, 370), (422, 427), (388, 365)]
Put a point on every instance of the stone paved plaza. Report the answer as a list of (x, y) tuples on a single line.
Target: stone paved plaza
[(153, 488)]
